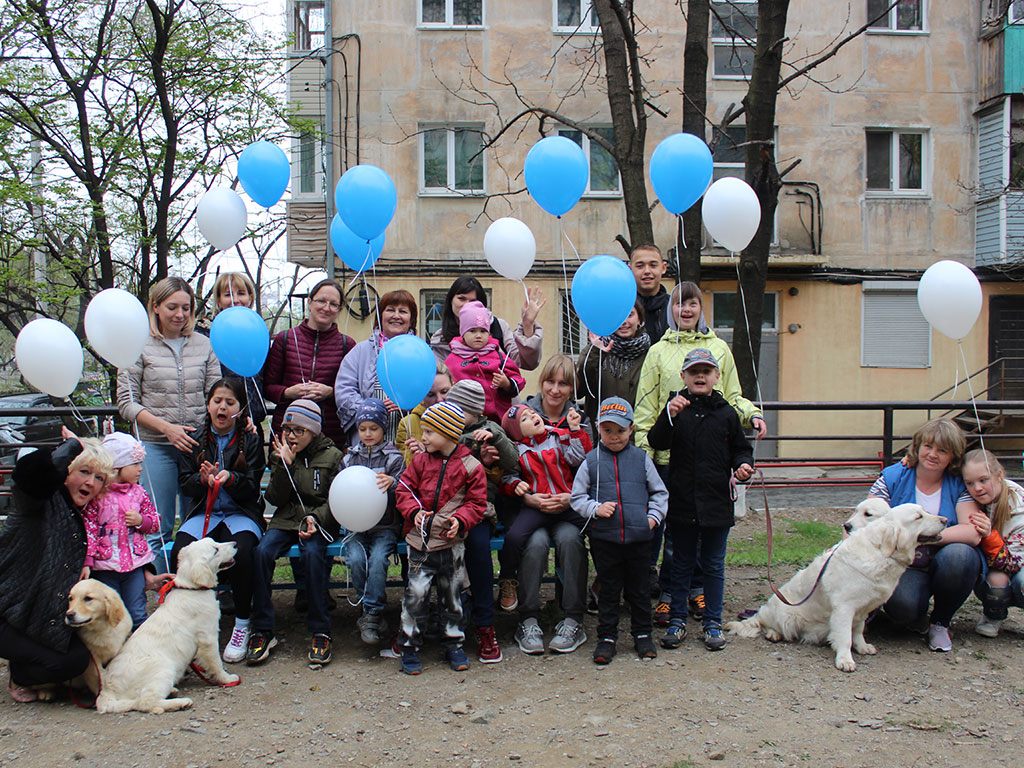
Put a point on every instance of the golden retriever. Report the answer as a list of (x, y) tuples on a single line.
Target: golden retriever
[(184, 627), (97, 614), (861, 575), (870, 509)]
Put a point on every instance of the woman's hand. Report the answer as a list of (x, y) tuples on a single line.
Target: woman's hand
[(534, 303), (310, 528), (384, 481), (597, 343), (392, 408), (296, 391), (133, 518), (743, 472), (317, 391), (178, 436), (154, 581), (67, 434), (762, 428), (500, 381)]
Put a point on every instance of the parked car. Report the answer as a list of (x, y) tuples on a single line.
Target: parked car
[(18, 429)]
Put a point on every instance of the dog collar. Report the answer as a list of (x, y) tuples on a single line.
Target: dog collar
[(162, 593)]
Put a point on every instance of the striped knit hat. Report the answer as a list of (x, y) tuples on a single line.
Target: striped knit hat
[(446, 419), (304, 413), (469, 395)]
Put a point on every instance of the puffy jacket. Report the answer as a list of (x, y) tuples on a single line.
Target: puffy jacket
[(627, 478), (548, 462), (385, 459), (243, 458), (168, 387), (537, 403), (481, 368), (446, 487), (313, 470), (524, 350), (302, 354), (104, 522), (707, 444)]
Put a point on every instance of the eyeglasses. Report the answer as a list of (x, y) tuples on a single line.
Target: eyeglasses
[(332, 305), (294, 431)]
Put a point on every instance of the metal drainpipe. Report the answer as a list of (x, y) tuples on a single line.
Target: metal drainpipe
[(328, 85)]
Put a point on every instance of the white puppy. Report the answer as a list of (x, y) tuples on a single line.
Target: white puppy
[(860, 577), (97, 613), (868, 510), (183, 628)]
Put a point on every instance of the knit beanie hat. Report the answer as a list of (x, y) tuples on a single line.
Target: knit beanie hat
[(304, 413), (124, 449), (373, 410), (469, 395), (510, 422), (446, 419), (474, 315)]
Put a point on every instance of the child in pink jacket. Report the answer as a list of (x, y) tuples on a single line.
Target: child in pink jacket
[(475, 355), (115, 527)]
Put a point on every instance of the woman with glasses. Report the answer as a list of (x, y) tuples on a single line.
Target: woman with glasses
[(303, 361)]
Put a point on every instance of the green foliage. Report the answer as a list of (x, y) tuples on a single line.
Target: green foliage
[(795, 542)]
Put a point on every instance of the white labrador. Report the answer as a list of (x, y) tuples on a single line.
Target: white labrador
[(143, 675), (861, 575), (97, 613)]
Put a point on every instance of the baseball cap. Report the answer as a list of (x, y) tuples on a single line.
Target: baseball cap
[(699, 357), (617, 411)]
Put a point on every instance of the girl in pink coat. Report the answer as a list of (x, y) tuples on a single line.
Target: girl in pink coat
[(116, 524), (475, 355)]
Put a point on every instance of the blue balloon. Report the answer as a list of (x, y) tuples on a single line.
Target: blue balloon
[(603, 293), (405, 370), (366, 200), (240, 340), (680, 171), (353, 250), (556, 174), (264, 172)]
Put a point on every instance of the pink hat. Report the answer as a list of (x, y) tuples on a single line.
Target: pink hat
[(474, 315)]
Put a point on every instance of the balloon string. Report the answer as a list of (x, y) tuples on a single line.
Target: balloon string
[(526, 292), (566, 236), (750, 346), (956, 373), (566, 299), (78, 415), (149, 479), (974, 403)]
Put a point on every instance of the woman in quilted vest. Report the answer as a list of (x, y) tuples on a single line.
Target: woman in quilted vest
[(164, 393)]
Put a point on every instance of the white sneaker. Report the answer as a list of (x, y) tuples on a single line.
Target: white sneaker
[(987, 627), (234, 651)]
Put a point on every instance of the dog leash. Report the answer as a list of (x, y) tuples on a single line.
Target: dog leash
[(211, 499), (201, 674), (99, 686)]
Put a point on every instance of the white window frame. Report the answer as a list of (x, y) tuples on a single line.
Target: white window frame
[(1015, 13), (891, 28), (584, 27), (894, 162), (297, 6), (449, 16), (565, 306), (730, 43), (318, 167), (450, 190), (909, 334), (599, 193)]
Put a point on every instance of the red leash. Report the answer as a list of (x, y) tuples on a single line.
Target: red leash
[(211, 498), (201, 674)]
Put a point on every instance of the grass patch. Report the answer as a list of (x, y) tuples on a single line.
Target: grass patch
[(683, 764), (796, 542)]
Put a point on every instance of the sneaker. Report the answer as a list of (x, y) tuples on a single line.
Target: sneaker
[(411, 661), (237, 647), (938, 638), (260, 645), (569, 636), (592, 597), (987, 627), (605, 651), (644, 646), (529, 637), (714, 640), (392, 650), (320, 650), (661, 612), (487, 649), (369, 625), (456, 658), (696, 606), (508, 594), (675, 635)]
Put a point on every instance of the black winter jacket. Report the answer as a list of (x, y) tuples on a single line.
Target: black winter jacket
[(656, 313), (243, 458), (707, 443)]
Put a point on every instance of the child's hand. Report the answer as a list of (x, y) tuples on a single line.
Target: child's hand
[(283, 450), (249, 426), (676, 404), (384, 481), (521, 488), (85, 573), (652, 523), (206, 472), (133, 518), (310, 528), (419, 518), (606, 510), (414, 446), (981, 522), (500, 381), (489, 455), (482, 435), (454, 527), (222, 477), (573, 419), (743, 472)]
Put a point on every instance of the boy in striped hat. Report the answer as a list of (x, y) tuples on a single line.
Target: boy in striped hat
[(442, 494)]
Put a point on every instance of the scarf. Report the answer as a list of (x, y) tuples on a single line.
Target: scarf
[(624, 351), (458, 346)]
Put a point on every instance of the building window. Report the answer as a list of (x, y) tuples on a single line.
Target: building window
[(733, 35), (725, 309), (432, 305), (452, 160), (1016, 180), (452, 13), (1015, 14), (575, 16), (307, 173), (896, 161), (604, 173), (309, 25), (573, 336), (894, 333), (905, 16)]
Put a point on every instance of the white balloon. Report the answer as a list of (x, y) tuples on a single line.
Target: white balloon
[(355, 500), (117, 326), (49, 356), (731, 212), (510, 248), (221, 217), (949, 296)]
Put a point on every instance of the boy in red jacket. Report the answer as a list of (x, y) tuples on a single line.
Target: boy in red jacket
[(442, 494)]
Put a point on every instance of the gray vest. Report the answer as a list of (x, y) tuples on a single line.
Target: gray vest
[(624, 481)]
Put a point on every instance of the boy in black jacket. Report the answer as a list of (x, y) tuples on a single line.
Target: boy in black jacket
[(708, 447)]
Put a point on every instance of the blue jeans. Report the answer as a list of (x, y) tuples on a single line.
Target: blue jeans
[(160, 479), (949, 578), (367, 557), (131, 587), (706, 543), (661, 533), (313, 553), (480, 570)]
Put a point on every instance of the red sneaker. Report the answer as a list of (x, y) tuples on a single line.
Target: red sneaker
[(487, 649)]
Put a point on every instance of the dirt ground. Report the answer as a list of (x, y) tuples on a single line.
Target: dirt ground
[(752, 704)]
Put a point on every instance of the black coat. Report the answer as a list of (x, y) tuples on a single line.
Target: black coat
[(42, 547), (707, 443), (656, 314), (243, 458)]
